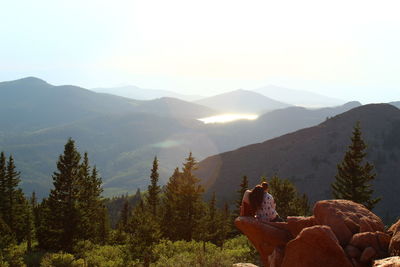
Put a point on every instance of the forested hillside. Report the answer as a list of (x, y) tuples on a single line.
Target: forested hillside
[(308, 157), (123, 135)]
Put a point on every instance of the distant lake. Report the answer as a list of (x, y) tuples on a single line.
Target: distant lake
[(229, 117)]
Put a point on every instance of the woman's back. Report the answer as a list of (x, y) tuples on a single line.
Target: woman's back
[(245, 208)]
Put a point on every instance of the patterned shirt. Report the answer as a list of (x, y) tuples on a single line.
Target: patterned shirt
[(267, 210)]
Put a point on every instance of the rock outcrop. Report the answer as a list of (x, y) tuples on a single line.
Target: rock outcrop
[(394, 246), (340, 233), (346, 218), (388, 262), (315, 246)]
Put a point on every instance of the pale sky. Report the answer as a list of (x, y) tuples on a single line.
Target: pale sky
[(344, 49)]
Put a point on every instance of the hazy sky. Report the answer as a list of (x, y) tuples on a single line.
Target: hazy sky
[(346, 49)]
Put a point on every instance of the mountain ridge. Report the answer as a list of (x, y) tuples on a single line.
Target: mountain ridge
[(135, 92), (37, 104), (241, 101), (308, 157), (298, 97)]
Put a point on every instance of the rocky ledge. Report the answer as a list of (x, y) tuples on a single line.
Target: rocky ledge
[(340, 233)]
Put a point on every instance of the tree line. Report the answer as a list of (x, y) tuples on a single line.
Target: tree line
[(75, 211)]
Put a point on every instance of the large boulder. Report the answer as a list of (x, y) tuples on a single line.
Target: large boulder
[(297, 223), (377, 240), (263, 236), (346, 218), (340, 233), (276, 258), (315, 246), (368, 255)]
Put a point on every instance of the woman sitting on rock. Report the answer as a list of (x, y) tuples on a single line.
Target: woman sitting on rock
[(245, 208), (263, 203)]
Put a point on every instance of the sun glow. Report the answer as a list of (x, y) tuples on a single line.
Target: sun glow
[(229, 117)]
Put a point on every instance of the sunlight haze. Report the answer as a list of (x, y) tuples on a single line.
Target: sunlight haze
[(224, 118), (343, 49)]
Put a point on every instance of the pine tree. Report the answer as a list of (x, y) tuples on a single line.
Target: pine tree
[(104, 226), (12, 181), (14, 206), (30, 225), (144, 232), (125, 215), (3, 199), (62, 211), (244, 185), (44, 231), (154, 189), (303, 205), (227, 229), (21, 212), (169, 217), (90, 205), (188, 199), (288, 201), (7, 237), (214, 222), (35, 210), (182, 203), (353, 177), (96, 204)]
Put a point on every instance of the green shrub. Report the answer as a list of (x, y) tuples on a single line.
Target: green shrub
[(182, 253), (34, 258), (82, 247), (240, 249), (14, 255), (61, 260), (3, 263), (105, 256)]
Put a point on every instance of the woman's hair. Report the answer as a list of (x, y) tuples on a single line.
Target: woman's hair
[(256, 197), (265, 185)]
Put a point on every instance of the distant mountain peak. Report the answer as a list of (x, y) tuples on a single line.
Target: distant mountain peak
[(31, 81), (298, 97), (241, 101), (352, 104)]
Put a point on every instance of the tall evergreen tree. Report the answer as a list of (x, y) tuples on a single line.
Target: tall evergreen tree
[(182, 203), (3, 198), (21, 211), (7, 237), (288, 201), (154, 189), (244, 185), (14, 206), (353, 178), (104, 226), (214, 220), (144, 232), (12, 181), (62, 213), (89, 201), (125, 215), (188, 199), (35, 211), (29, 224), (169, 217), (227, 228)]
